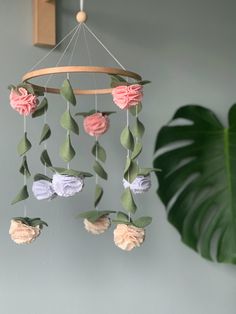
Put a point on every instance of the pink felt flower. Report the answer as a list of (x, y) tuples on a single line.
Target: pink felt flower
[(96, 124), (127, 96), (22, 101)]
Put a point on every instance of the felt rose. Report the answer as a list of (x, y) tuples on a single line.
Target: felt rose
[(65, 185), (23, 234), (99, 226), (43, 190), (139, 185), (96, 124), (127, 96), (127, 237), (22, 101)]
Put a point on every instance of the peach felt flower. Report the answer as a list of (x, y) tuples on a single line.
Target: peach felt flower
[(127, 96), (127, 237), (22, 101), (23, 234), (99, 226), (96, 124)]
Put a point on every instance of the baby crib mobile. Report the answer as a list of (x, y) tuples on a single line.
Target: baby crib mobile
[(29, 100)]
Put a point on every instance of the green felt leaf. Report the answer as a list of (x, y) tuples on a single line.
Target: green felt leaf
[(131, 171), (68, 123), (99, 151), (71, 172), (94, 215), (27, 86), (46, 133), (126, 139), (135, 110), (11, 87), (67, 151), (138, 129), (147, 171), (197, 183), (45, 159), (137, 150), (38, 222), (121, 216), (24, 145), (89, 113), (142, 222), (21, 196), (99, 170), (41, 109), (24, 169), (116, 79), (67, 92), (98, 194), (128, 201), (40, 176)]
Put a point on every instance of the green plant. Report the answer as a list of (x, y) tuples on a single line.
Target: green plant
[(197, 183)]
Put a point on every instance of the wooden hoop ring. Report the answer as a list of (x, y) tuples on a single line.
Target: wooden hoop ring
[(78, 69)]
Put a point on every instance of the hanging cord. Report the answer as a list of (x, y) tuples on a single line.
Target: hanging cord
[(107, 50), (75, 45), (25, 178), (81, 5)]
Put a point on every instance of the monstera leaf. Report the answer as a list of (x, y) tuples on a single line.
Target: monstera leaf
[(197, 183)]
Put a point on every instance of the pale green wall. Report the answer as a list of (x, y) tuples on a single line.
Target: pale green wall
[(187, 49)]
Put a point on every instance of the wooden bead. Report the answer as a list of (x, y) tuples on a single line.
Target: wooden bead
[(81, 17)]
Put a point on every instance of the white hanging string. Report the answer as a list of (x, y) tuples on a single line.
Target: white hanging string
[(24, 176), (107, 50), (75, 45), (81, 5), (49, 53)]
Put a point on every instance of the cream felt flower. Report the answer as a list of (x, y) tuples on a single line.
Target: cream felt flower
[(128, 237), (99, 226), (23, 234)]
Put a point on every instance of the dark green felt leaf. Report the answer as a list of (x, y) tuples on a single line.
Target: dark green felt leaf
[(138, 129), (94, 215), (21, 196), (24, 145), (132, 171), (135, 110), (67, 92), (24, 169), (128, 201), (71, 172), (40, 176), (68, 123), (45, 159), (121, 216), (38, 222), (99, 152), (46, 133), (126, 139), (99, 170), (137, 150), (41, 109), (98, 194), (142, 222), (67, 151)]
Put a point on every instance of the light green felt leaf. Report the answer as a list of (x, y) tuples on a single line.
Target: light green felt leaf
[(38, 222), (122, 217), (116, 79), (68, 123), (24, 145), (147, 171), (138, 129), (46, 133), (94, 215), (67, 92), (135, 110), (99, 151), (132, 171), (45, 159), (137, 150), (71, 172), (128, 201), (22, 195), (98, 194), (142, 222), (41, 109), (67, 151), (126, 139), (99, 170), (24, 169), (40, 176)]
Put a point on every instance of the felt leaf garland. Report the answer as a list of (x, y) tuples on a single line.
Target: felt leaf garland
[(22, 195), (41, 109), (121, 217), (24, 145), (67, 151), (137, 150), (67, 92), (98, 194), (24, 169), (71, 172), (138, 129), (68, 123), (94, 215), (142, 222), (128, 201), (99, 152), (131, 170), (45, 159), (46, 133), (99, 170), (126, 139)]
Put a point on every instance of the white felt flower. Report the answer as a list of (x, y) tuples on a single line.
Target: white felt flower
[(139, 185), (99, 226), (65, 185), (43, 190)]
